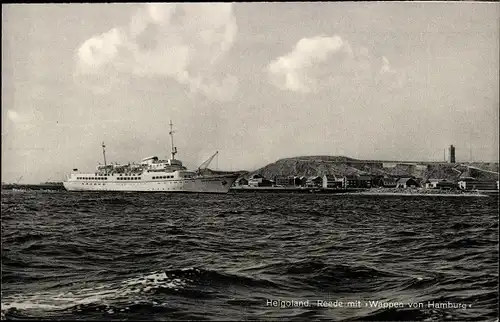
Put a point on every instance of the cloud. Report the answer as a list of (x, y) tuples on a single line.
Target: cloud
[(20, 121), (182, 42), (28, 121), (321, 62), (392, 78), (386, 68), (13, 116)]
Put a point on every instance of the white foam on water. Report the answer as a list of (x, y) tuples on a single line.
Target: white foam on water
[(99, 294), (28, 305)]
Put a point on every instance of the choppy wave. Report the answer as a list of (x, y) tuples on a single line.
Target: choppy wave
[(94, 256)]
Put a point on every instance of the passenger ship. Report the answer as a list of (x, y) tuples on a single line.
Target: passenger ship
[(151, 174)]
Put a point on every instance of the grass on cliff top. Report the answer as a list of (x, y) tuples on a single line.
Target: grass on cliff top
[(339, 158)]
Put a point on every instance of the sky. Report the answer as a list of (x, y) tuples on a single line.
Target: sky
[(255, 81)]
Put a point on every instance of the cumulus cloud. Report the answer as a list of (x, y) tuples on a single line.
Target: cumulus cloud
[(321, 62), (13, 116), (20, 121), (386, 67), (33, 119), (392, 78), (183, 42)]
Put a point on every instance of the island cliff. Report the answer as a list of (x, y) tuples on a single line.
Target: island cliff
[(343, 166)]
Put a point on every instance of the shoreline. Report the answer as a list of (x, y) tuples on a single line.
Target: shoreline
[(403, 192), (367, 191), (419, 194)]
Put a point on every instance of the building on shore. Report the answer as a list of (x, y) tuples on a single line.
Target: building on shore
[(432, 183), (330, 181), (407, 183), (383, 181), (389, 182), (364, 181), (290, 181), (446, 185), (357, 181), (440, 184), (350, 181), (257, 180), (241, 182), (465, 184), (314, 182), (283, 181)]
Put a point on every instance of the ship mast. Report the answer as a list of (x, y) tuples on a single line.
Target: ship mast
[(104, 155), (174, 149)]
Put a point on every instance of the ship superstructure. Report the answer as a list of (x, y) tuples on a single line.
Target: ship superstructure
[(151, 174)]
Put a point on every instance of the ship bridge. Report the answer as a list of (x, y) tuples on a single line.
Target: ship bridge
[(149, 160), (154, 162)]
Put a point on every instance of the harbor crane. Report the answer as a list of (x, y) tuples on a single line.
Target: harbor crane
[(206, 163)]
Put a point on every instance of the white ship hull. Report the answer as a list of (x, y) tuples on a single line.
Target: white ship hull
[(208, 184)]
